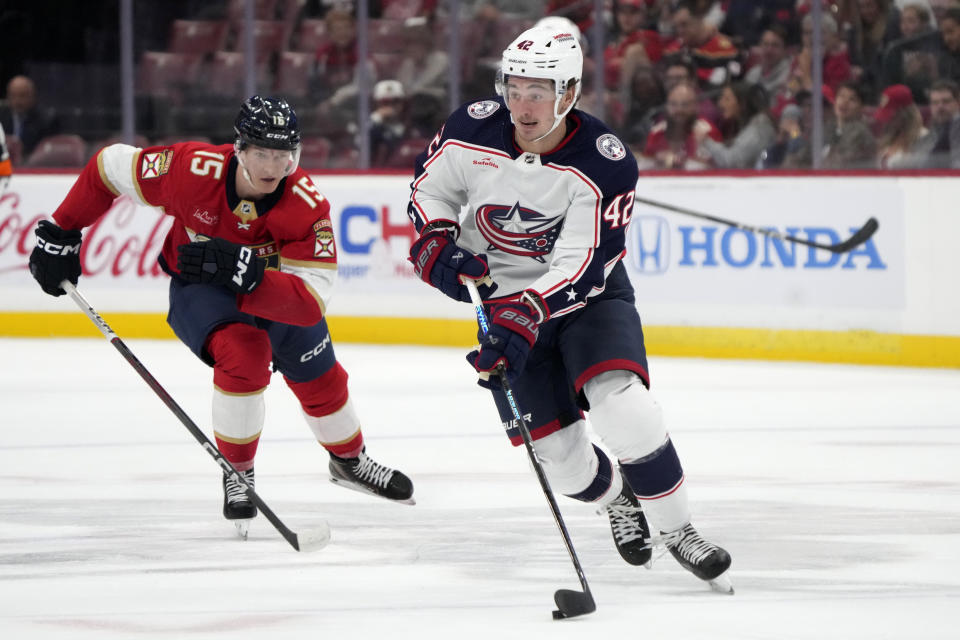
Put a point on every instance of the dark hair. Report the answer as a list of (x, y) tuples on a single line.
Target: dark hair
[(778, 30), (753, 99), (945, 84), (858, 89), (952, 13)]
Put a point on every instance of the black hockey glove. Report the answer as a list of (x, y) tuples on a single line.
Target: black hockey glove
[(220, 262), (440, 262), (513, 332), (56, 257)]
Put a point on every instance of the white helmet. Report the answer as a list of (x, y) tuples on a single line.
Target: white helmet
[(549, 53)]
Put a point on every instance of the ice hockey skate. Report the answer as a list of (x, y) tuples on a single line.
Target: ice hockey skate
[(703, 559), (366, 475), (236, 504), (631, 533)]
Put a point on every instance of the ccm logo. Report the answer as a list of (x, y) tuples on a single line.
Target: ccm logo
[(317, 350), (58, 249), (243, 261)]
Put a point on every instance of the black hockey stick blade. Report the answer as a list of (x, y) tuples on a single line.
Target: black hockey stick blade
[(573, 603), (858, 238)]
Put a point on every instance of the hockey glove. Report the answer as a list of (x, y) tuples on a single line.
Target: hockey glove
[(513, 331), (440, 262), (220, 262), (56, 257)]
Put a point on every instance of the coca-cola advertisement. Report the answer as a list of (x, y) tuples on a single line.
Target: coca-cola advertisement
[(119, 252)]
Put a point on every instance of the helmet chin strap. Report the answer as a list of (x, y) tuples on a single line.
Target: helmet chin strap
[(243, 168), (557, 118)]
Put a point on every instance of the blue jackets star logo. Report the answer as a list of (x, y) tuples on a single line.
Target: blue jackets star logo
[(518, 230)]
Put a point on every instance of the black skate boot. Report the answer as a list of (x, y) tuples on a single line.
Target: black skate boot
[(363, 473), (703, 559), (631, 533), (236, 505)]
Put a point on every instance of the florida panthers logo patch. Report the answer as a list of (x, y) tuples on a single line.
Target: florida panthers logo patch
[(482, 109), (610, 146), (518, 230)]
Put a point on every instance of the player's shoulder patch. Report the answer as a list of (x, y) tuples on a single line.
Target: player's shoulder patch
[(154, 165), (482, 109), (610, 147)]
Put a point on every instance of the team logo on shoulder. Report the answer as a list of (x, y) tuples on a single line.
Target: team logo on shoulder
[(610, 146), (482, 109), (518, 230), (325, 246), (154, 165)]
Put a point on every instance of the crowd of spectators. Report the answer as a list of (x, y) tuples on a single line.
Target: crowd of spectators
[(687, 84)]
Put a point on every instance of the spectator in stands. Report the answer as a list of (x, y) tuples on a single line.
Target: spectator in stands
[(336, 84), (671, 143), (941, 145), (387, 122), (849, 143), (836, 60), (746, 123), (899, 128), (877, 25), (629, 59), (629, 44), (915, 20), (791, 141), (679, 70), (773, 68), (23, 117), (425, 64), (918, 61), (747, 20), (715, 56), (337, 57)]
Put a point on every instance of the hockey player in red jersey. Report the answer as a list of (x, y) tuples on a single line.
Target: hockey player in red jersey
[(252, 261), (536, 195)]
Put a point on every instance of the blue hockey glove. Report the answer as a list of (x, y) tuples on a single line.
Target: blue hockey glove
[(440, 262), (513, 332), (220, 262)]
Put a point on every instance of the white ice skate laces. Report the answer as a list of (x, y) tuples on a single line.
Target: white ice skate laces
[(623, 520), (689, 544), (373, 472)]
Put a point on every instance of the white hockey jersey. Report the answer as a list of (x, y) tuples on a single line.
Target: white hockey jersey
[(551, 225)]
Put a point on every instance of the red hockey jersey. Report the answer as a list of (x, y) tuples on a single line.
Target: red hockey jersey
[(194, 183)]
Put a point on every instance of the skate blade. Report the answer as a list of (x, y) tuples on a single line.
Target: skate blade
[(243, 527), (346, 484), (721, 584)]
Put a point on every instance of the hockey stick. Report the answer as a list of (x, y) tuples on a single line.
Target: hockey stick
[(306, 541), (859, 237), (570, 603)]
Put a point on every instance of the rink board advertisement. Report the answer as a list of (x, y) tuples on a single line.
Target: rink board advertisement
[(689, 272)]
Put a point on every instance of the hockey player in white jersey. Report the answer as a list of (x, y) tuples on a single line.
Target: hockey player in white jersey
[(531, 198)]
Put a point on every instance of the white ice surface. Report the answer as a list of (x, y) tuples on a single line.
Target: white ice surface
[(835, 488)]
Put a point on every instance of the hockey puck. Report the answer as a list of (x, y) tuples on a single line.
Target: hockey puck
[(558, 615)]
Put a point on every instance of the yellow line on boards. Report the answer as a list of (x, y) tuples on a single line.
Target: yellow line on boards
[(854, 347)]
